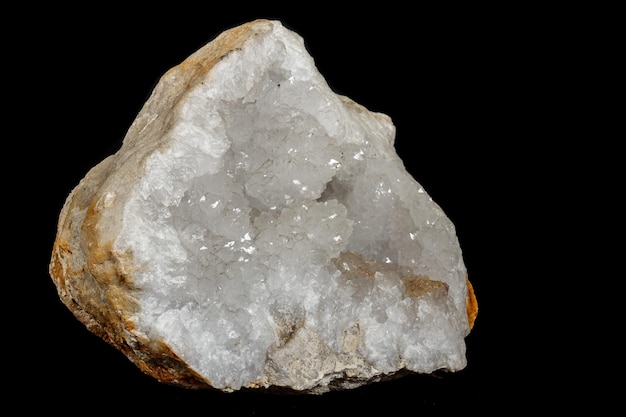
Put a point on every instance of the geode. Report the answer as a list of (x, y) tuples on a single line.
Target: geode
[(257, 230)]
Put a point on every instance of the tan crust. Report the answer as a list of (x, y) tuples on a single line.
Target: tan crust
[(471, 305)]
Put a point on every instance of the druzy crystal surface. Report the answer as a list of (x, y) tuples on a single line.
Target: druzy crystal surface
[(258, 230)]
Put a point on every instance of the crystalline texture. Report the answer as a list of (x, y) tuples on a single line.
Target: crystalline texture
[(258, 230)]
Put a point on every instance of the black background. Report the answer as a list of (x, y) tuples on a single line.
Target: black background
[(476, 97)]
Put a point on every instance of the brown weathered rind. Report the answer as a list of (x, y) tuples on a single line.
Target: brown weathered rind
[(472, 305), (92, 279)]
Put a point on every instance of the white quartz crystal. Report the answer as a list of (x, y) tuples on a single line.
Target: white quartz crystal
[(262, 231)]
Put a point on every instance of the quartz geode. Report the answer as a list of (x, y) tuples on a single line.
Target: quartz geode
[(257, 230)]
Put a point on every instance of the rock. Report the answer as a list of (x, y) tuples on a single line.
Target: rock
[(256, 230)]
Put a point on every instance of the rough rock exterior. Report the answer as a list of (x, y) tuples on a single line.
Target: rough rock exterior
[(256, 230)]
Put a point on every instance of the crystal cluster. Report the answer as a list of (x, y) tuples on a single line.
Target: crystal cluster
[(258, 230)]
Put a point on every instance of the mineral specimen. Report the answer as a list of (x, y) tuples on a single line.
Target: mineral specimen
[(257, 230)]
